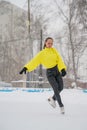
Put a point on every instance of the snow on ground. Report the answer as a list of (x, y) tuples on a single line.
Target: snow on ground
[(21, 110)]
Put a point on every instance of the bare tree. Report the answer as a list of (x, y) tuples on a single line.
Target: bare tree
[(75, 42)]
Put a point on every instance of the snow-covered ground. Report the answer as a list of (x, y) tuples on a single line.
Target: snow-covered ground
[(22, 110)]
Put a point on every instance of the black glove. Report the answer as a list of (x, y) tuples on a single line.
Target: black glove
[(23, 71), (63, 72)]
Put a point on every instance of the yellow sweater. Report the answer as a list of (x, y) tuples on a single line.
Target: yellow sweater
[(48, 57)]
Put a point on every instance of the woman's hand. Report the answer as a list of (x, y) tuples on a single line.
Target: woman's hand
[(23, 71), (63, 72)]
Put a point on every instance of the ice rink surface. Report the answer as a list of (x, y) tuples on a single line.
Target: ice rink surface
[(22, 110)]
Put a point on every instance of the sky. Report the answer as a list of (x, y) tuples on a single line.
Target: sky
[(19, 3)]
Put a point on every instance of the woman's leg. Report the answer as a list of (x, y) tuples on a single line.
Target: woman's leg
[(52, 80), (60, 84)]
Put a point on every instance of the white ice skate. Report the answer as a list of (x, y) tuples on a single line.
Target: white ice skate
[(62, 111), (52, 102)]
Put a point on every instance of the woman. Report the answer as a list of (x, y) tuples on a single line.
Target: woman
[(55, 69)]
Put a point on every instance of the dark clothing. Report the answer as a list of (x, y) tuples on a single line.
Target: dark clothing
[(56, 81)]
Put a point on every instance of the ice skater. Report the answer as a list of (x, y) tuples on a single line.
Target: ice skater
[(50, 58)]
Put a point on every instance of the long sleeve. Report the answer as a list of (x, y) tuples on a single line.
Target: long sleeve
[(33, 63), (61, 64), (48, 57)]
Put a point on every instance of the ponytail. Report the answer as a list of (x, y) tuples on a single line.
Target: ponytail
[(44, 46)]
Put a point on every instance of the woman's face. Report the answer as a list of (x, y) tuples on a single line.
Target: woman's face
[(49, 43)]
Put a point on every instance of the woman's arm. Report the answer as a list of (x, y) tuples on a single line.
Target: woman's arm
[(33, 63), (61, 64)]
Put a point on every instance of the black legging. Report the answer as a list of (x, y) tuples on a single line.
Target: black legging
[(56, 81)]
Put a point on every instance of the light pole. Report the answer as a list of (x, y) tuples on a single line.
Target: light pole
[(28, 74), (40, 69), (29, 17)]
